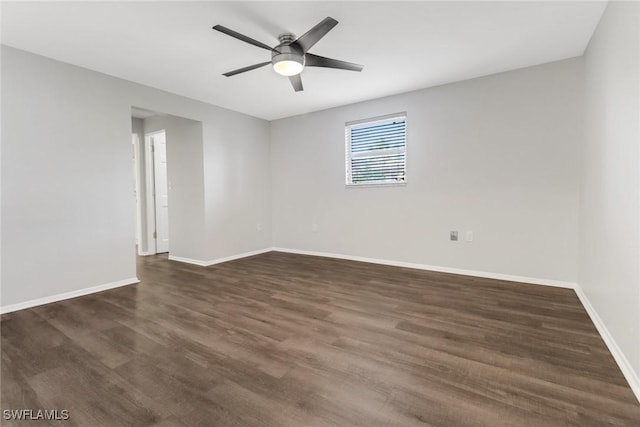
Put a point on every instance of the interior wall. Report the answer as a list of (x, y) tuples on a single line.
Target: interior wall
[(609, 260), (68, 215), (238, 189), (185, 177), (496, 155)]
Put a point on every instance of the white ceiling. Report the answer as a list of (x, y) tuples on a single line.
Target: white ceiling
[(403, 45)]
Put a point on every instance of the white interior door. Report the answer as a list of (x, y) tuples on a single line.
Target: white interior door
[(161, 192)]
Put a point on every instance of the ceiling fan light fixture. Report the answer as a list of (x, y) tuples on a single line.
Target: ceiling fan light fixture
[(292, 55), (288, 67)]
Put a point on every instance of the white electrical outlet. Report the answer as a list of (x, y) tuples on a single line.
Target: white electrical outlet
[(469, 236), (314, 227), (453, 235), (259, 227)]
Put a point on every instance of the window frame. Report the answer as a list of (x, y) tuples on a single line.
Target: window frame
[(349, 155)]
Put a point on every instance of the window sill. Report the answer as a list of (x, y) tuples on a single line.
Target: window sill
[(382, 184)]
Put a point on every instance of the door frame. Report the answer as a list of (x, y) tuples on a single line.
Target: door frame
[(150, 191), (135, 142)]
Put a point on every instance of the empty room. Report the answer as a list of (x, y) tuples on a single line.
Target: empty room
[(317, 213)]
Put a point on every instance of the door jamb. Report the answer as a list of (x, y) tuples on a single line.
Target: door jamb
[(136, 143), (150, 187)]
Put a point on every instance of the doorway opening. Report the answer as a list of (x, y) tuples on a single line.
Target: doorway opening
[(170, 204), (151, 188)]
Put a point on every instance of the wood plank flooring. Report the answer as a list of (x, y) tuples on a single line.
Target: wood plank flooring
[(290, 340)]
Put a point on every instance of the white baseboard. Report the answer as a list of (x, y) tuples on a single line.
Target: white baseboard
[(483, 274), (189, 260), (627, 370), (67, 295), (209, 263)]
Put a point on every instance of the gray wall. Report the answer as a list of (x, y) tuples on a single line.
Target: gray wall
[(238, 189), (67, 211), (496, 155), (609, 259)]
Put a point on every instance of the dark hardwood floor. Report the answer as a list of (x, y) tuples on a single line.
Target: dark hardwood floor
[(291, 340)]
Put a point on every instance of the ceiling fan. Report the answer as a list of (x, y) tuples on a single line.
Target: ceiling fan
[(292, 54)]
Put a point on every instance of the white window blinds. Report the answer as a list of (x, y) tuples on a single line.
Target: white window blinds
[(376, 151)]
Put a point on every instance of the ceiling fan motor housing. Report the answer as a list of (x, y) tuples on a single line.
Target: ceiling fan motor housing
[(286, 51)]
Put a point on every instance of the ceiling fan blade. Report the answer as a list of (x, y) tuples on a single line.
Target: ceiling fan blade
[(248, 68), (312, 60), (311, 37), (242, 37), (296, 82)]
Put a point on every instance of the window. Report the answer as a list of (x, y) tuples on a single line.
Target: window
[(376, 150)]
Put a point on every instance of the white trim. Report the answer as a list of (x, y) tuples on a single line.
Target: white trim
[(189, 260), (67, 295), (150, 204), (626, 368), (377, 119), (208, 263), (135, 141), (484, 274)]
